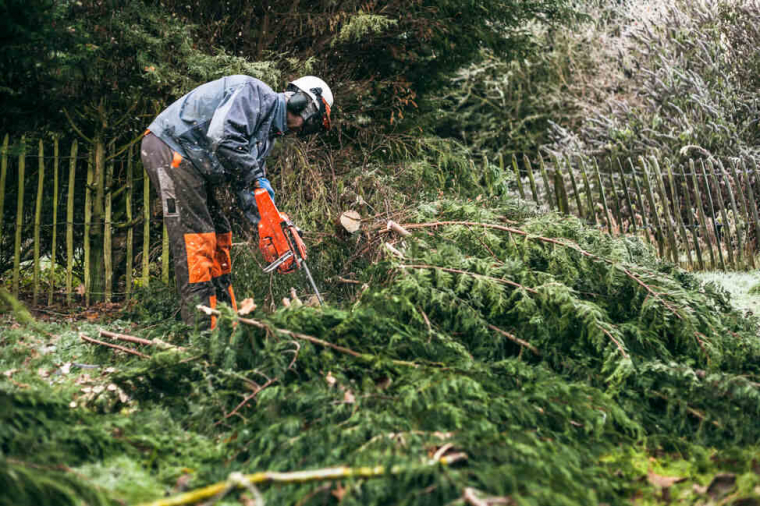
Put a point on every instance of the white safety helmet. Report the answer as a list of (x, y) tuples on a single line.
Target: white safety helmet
[(311, 99)]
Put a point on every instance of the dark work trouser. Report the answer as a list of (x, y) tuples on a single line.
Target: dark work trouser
[(199, 233)]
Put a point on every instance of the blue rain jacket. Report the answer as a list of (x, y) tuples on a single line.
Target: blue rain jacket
[(226, 128)]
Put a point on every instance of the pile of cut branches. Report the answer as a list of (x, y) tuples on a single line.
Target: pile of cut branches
[(486, 361)]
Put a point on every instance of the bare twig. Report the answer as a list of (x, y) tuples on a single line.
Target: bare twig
[(333, 473), (515, 339), (114, 346), (392, 225)]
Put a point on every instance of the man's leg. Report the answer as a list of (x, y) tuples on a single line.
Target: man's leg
[(222, 275), (192, 239)]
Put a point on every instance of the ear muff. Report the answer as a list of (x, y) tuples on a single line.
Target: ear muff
[(298, 102)]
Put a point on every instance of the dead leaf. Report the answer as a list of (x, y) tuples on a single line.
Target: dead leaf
[(80, 290), (339, 491), (330, 379), (66, 368), (663, 481), (246, 307), (43, 373), (348, 397), (351, 221), (9, 372)]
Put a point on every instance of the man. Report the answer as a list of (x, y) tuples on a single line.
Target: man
[(221, 133)]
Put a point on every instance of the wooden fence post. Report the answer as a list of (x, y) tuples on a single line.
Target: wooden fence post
[(545, 177), (107, 228), (631, 208), (678, 215), (70, 222), (602, 196), (37, 216), (701, 213), (692, 224), (739, 182), (517, 174), (560, 190), (146, 230), (725, 228), (587, 187), (3, 175), (666, 212), (754, 202), (533, 189), (660, 233), (51, 279), (569, 166), (615, 199), (165, 256), (711, 206), (740, 264), (130, 230), (640, 202), (19, 217), (87, 218)]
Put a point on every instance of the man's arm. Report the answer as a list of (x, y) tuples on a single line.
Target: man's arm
[(233, 126)]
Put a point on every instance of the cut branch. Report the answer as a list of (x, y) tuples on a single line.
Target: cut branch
[(296, 335), (468, 273), (515, 339), (333, 473), (114, 346)]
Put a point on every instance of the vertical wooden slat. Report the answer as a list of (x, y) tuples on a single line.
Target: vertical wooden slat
[(678, 215), (130, 230), (640, 202), (545, 177), (602, 196), (517, 174), (146, 230), (3, 175), (615, 199), (659, 232), (87, 219), (533, 188), (701, 214), (575, 187), (70, 222), (627, 195), (587, 188), (666, 212), (107, 229), (51, 279), (745, 182), (165, 256), (739, 183), (753, 200), (692, 223), (563, 204), (19, 217), (711, 207), (726, 229), (737, 218), (37, 218)]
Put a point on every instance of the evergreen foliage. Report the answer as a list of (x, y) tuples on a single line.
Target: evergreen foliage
[(539, 347)]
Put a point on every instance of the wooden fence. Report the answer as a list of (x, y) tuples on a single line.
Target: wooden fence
[(61, 180), (702, 215)]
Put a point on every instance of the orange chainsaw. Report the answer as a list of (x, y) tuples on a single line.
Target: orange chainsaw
[(280, 241)]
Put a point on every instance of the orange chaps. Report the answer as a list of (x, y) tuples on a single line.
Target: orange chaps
[(200, 237)]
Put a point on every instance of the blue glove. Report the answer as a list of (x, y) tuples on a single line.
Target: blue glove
[(263, 182)]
